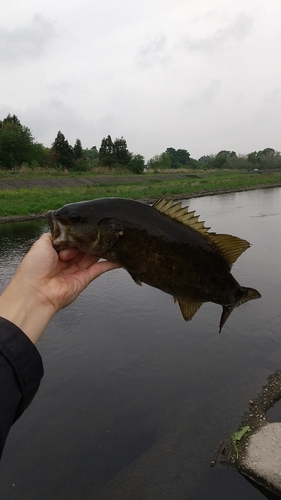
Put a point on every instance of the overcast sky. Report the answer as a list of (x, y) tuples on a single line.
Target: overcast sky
[(201, 75)]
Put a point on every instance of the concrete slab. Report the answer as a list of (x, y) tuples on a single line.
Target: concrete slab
[(258, 453), (262, 460)]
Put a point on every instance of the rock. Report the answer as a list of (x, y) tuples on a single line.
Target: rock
[(262, 459), (259, 451)]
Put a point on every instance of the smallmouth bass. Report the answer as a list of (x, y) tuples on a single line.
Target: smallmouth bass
[(163, 245)]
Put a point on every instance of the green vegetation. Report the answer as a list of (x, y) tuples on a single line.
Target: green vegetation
[(237, 436), (18, 148), (174, 159), (21, 157), (17, 145), (40, 200)]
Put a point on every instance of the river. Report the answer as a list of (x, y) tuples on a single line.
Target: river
[(135, 401)]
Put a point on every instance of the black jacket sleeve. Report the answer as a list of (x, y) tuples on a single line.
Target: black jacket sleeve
[(21, 370)]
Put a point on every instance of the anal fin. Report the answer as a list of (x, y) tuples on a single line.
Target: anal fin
[(135, 278), (188, 308)]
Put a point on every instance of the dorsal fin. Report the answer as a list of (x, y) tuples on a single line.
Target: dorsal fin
[(230, 247), (181, 214)]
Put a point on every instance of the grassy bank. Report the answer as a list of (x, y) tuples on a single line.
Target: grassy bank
[(39, 200)]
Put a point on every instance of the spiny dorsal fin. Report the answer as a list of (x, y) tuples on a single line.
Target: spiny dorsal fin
[(230, 247), (188, 308), (181, 214)]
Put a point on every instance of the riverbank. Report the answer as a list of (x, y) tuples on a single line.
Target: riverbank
[(257, 453), (30, 199), (28, 217)]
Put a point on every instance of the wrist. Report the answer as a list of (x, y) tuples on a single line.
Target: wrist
[(25, 310)]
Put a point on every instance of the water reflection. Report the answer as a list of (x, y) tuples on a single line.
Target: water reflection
[(135, 395), (16, 239)]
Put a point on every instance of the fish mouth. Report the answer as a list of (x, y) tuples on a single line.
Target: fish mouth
[(59, 235), (51, 221)]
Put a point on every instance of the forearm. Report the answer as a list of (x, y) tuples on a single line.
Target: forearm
[(10, 397), (21, 370)]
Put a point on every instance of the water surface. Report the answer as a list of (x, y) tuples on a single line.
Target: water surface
[(135, 401)]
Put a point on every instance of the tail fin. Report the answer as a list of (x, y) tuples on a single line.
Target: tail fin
[(249, 294)]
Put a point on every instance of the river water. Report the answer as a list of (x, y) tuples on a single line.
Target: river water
[(135, 401)]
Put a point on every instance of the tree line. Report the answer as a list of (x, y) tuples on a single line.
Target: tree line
[(18, 147)]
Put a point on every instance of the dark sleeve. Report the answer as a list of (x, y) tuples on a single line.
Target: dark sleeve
[(21, 370)]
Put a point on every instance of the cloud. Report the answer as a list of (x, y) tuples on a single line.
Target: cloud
[(153, 53), (272, 99), (28, 42), (204, 98), (61, 116), (201, 76), (235, 32), (266, 119)]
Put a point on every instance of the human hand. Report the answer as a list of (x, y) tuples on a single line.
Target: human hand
[(47, 281), (58, 278)]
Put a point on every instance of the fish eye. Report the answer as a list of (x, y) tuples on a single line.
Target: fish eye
[(74, 217)]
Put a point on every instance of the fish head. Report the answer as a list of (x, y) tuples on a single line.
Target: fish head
[(79, 225)]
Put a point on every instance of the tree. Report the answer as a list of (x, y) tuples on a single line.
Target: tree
[(267, 152), (77, 150), (62, 152), (227, 154), (91, 156), (106, 152), (16, 143), (222, 159), (238, 163), (264, 157), (12, 119), (162, 161), (122, 156), (252, 157), (179, 158), (204, 159), (268, 158), (94, 152), (219, 161), (171, 152), (111, 152), (137, 164), (40, 156), (183, 157)]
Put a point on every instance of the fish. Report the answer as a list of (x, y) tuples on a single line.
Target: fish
[(163, 245)]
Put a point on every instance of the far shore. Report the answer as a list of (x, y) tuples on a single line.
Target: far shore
[(30, 217)]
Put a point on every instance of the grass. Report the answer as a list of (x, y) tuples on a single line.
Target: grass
[(24, 172), (40, 200)]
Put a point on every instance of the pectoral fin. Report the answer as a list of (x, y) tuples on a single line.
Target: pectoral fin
[(188, 308)]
